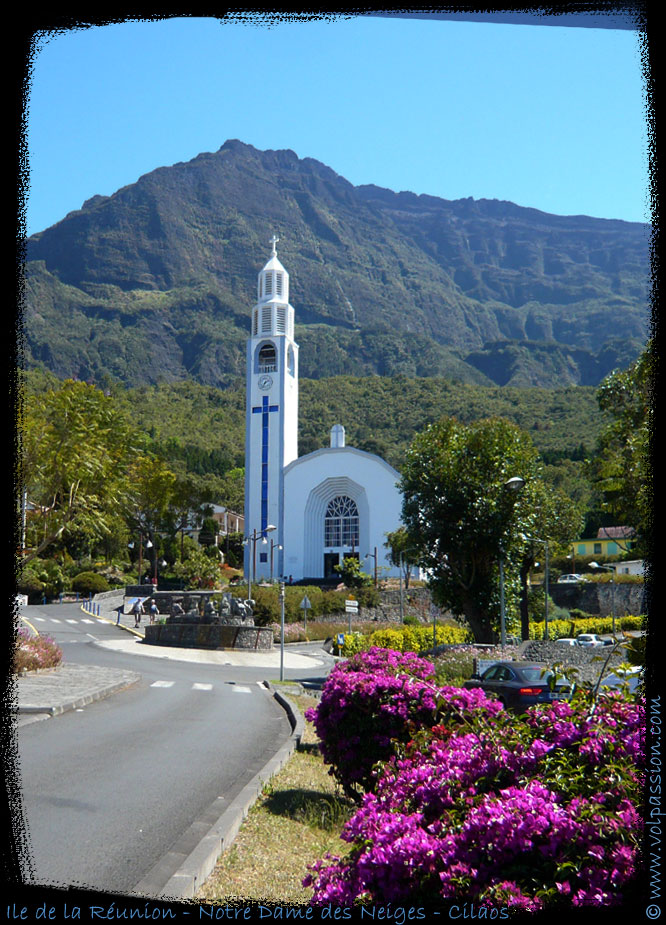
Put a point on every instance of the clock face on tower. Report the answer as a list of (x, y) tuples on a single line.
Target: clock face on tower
[(265, 382)]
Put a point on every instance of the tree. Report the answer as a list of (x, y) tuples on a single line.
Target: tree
[(401, 555), (557, 519), (461, 517), (621, 467), (76, 450), (351, 573), (198, 570)]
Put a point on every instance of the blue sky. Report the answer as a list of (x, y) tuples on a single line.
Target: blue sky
[(548, 117)]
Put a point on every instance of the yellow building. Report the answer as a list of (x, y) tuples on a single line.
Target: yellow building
[(609, 541)]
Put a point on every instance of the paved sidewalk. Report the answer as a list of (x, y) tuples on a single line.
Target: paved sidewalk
[(234, 657), (69, 687)]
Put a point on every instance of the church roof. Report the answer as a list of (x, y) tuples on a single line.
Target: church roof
[(333, 450), (273, 264)]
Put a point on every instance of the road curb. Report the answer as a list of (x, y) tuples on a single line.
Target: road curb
[(200, 862), (82, 701)]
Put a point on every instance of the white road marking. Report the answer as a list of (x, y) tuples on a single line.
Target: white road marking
[(71, 621), (202, 687), (162, 684), (239, 689)]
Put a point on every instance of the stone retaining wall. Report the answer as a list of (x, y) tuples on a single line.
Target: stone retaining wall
[(209, 636), (588, 661), (601, 598)]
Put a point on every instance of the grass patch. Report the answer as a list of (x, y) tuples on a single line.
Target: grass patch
[(295, 821)]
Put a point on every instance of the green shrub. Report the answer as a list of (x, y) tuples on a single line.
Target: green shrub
[(411, 620), (406, 638), (90, 583), (30, 584), (600, 625), (43, 577)]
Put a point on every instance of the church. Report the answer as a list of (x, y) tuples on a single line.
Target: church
[(303, 515)]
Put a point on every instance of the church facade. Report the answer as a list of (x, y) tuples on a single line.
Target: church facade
[(303, 515)]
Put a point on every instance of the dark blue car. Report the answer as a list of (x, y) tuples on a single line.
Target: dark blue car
[(519, 685)]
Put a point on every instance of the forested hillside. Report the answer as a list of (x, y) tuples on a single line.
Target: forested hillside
[(203, 428)]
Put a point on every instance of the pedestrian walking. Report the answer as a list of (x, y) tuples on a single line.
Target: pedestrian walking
[(137, 610), (153, 611)]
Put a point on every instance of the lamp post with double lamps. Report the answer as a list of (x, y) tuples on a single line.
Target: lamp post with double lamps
[(148, 545), (254, 538), (611, 569)]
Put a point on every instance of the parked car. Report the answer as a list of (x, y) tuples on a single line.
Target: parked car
[(590, 640), (614, 682), (519, 685), (570, 579), (567, 641)]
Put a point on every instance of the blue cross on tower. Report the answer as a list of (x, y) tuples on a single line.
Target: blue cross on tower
[(264, 409)]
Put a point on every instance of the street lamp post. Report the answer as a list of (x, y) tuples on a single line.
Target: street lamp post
[(373, 555), (400, 570), (149, 545), (281, 596), (611, 569), (514, 484), (274, 545), (546, 581)]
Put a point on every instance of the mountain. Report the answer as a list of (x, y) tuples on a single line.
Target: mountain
[(155, 283)]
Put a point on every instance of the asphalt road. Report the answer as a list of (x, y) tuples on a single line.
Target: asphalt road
[(110, 789)]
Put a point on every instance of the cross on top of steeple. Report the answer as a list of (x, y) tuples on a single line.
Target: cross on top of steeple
[(273, 242)]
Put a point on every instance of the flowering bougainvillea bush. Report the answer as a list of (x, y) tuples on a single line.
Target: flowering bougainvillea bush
[(379, 698), (33, 652), (483, 806)]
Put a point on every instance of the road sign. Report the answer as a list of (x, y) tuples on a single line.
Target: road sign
[(351, 606), (305, 603), (341, 639)]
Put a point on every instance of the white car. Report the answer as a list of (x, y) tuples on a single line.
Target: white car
[(567, 641), (590, 640), (570, 579)]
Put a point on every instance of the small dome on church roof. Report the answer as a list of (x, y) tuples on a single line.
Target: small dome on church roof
[(273, 264)]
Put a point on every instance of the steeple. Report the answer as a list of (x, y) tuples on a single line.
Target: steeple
[(273, 282), (271, 410)]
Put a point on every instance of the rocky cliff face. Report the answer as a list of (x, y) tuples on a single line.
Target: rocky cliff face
[(164, 269)]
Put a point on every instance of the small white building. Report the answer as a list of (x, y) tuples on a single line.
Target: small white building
[(630, 567), (304, 515)]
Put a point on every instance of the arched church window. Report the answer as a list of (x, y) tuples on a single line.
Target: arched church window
[(341, 523), (267, 359)]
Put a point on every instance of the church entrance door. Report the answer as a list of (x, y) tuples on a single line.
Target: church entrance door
[(331, 559)]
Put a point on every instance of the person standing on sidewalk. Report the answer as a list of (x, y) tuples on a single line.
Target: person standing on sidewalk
[(137, 610), (153, 610)]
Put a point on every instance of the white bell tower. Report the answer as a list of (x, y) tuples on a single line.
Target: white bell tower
[(271, 421)]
